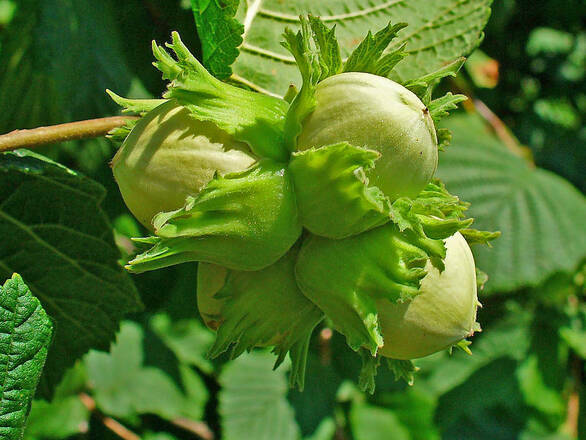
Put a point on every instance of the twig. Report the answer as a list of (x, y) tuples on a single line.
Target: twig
[(113, 425), (500, 129), (90, 128), (200, 429), (573, 409)]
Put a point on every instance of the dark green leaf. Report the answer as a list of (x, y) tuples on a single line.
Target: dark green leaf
[(219, 32), (124, 387), (188, 339), (58, 58), (56, 235)]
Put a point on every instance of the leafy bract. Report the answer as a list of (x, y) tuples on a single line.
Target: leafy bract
[(308, 61), (424, 85), (438, 108), (267, 308), (541, 215), (62, 245), (248, 413), (332, 190), (244, 221), (387, 262), (380, 263), (317, 54), (219, 33), (254, 118), (25, 336), (368, 56), (439, 32), (124, 387)]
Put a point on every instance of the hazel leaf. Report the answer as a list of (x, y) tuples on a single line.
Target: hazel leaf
[(219, 32), (332, 191), (438, 32), (25, 336), (244, 221)]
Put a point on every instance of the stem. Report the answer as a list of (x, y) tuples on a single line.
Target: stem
[(35, 137), (113, 425), (200, 429), (501, 130), (573, 408)]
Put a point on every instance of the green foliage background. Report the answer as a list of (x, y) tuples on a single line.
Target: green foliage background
[(56, 59)]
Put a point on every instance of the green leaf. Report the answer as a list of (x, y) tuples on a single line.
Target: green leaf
[(380, 263), (415, 410), (253, 403), (266, 308), (243, 221), (250, 117), (375, 423), (124, 387), (537, 392), (219, 32), (439, 32), (187, 339), (332, 190), (25, 336), (62, 244), (65, 415), (325, 430), (59, 419), (58, 58), (549, 41), (541, 216)]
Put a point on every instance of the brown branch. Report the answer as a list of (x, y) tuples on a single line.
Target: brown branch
[(113, 425), (500, 129), (200, 429), (35, 137), (573, 408)]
